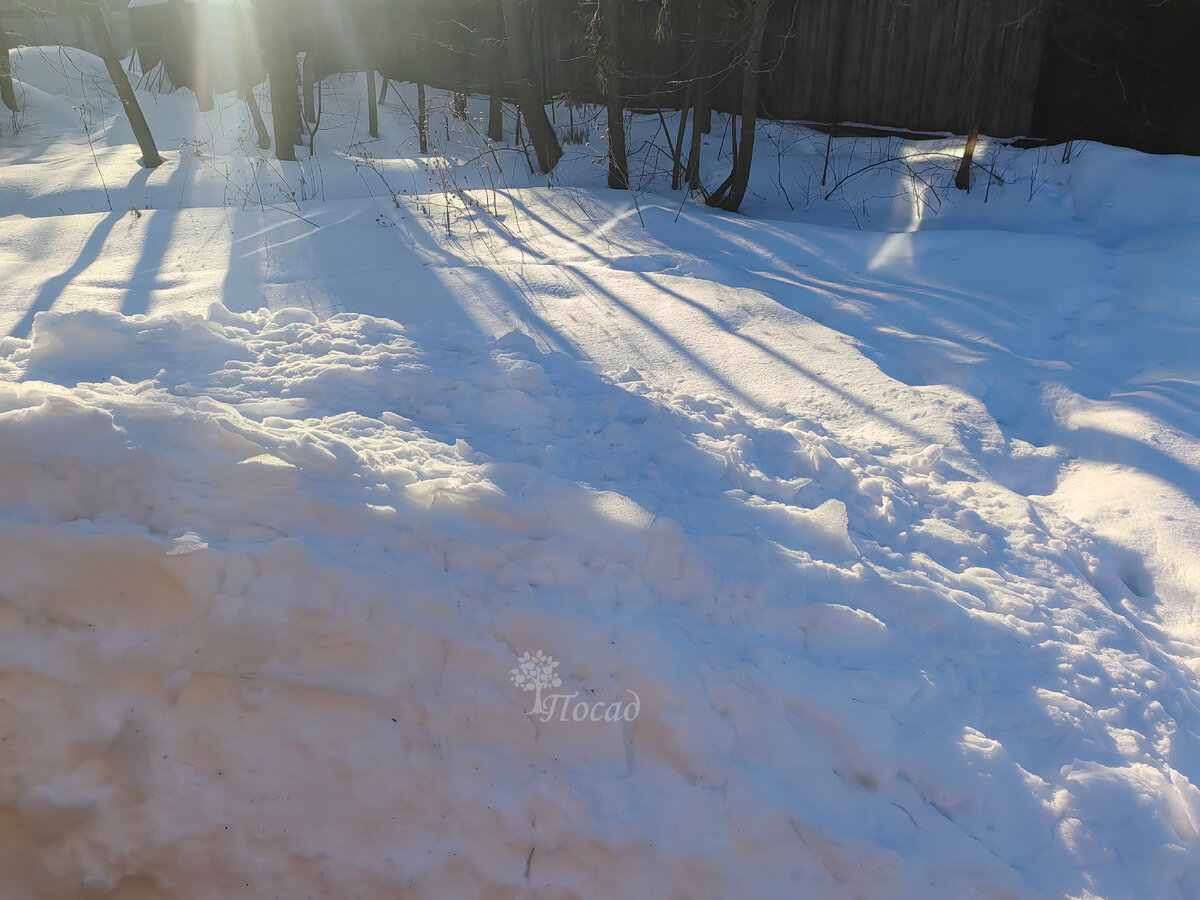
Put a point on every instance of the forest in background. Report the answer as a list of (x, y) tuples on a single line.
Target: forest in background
[(1118, 71)]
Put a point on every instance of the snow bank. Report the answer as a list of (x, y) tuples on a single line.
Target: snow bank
[(861, 534), (264, 578)]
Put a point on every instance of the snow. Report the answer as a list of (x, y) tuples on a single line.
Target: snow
[(884, 508)]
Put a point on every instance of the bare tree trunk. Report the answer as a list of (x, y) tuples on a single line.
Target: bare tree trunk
[(108, 53), (422, 117), (700, 66), (285, 104), (7, 94), (610, 72), (981, 82), (496, 62), (529, 96), (962, 180), (677, 149), (383, 90), (372, 106), (202, 80), (260, 127), (751, 60), (306, 87), (700, 115), (618, 165), (495, 117), (279, 47)]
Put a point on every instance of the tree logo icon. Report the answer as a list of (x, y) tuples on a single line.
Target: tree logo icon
[(534, 673)]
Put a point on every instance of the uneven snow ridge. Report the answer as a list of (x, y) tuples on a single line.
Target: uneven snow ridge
[(302, 555)]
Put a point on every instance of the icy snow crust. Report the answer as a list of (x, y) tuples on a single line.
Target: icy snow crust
[(893, 532)]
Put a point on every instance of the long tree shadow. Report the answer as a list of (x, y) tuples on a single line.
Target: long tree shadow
[(752, 345), (89, 253), (772, 597), (575, 434), (147, 274), (53, 287)]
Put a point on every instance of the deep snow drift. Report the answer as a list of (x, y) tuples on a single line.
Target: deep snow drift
[(882, 508)]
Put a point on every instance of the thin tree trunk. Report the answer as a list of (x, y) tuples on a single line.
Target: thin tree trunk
[(828, 151), (618, 164), (529, 96), (285, 104), (962, 180), (700, 67), (733, 135), (700, 115), (495, 130), (383, 90), (496, 61), (306, 88), (521, 141), (279, 48), (717, 197), (141, 130), (677, 150), (422, 117), (750, 76), (201, 60), (204, 99), (7, 94), (372, 106), (260, 127)]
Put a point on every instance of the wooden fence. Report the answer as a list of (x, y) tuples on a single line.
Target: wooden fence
[(932, 65)]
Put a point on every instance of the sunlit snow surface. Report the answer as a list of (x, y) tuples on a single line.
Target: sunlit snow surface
[(885, 511)]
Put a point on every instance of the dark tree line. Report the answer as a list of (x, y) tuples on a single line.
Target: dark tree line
[(502, 53), (1119, 69)]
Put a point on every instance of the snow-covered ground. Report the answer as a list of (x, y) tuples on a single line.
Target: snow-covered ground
[(863, 531)]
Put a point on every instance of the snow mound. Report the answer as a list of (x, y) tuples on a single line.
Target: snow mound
[(276, 571)]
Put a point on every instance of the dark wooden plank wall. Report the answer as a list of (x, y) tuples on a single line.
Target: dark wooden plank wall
[(931, 65), (928, 65)]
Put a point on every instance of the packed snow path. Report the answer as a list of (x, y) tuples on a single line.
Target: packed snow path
[(893, 535)]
